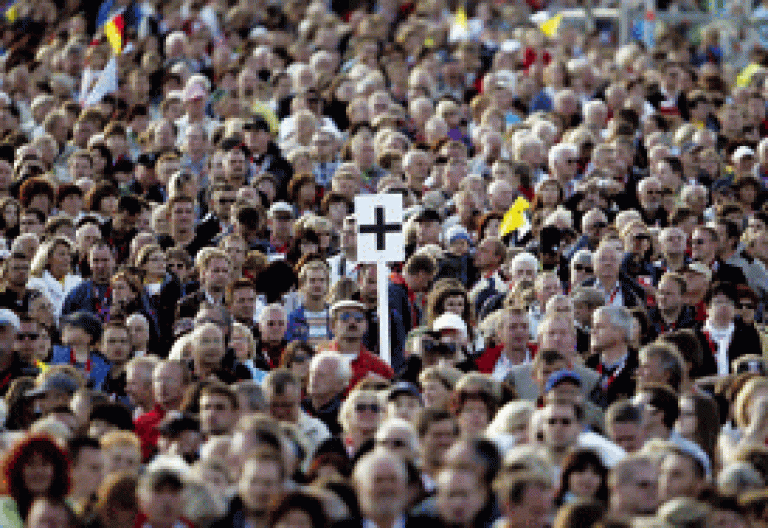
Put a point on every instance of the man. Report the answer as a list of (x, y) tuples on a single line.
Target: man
[(512, 334), (349, 326), (215, 268), (280, 224), (671, 312), (344, 264), (10, 367), (168, 382), (216, 222), (624, 425), (310, 322), (161, 498), (437, 430), (561, 427), (458, 503), (673, 246), (649, 194), (138, 383), (282, 392), (612, 328), (122, 229), (329, 375), (182, 225), (661, 362), (546, 285), (428, 228), (681, 474), (93, 295), (381, 480), (86, 470), (563, 161), (273, 323), (633, 486), (594, 222), (705, 244), (13, 291), (80, 334), (525, 499), (407, 290), (219, 409), (241, 302), (115, 346), (265, 154), (619, 289)]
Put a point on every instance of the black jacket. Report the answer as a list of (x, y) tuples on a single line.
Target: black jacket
[(745, 340), (615, 385)]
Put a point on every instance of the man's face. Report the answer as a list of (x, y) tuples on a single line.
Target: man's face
[(535, 506), (116, 345), (673, 242), (638, 494), (216, 275), (85, 237), (182, 216), (138, 385), (560, 426), (384, 493), (79, 167), (458, 501), (26, 340), (18, 271), (89, 469), (559, 334), (243, 301), (323, 381), (167, 384), (605, 335), (217, 414), (222, 202), (513, 330), (102, 264), (29, 223), (438, 440), (627, 435), (285, 407), (260, 485), (163, 506), (273, 326), (485, 256), (281, 227), (428, 232), (696, 285), (418, 281), (607, 262), (315, 284), (350, 324), (523, 271), (703, 246), (668, 295), (678, 478)]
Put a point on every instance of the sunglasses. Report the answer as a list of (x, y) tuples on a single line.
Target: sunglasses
[(356, 316), (581, 267), (370, 407), (394, 443), (21, 336), (599, 225)]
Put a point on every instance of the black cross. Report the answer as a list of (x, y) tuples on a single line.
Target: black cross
[(380, 228)]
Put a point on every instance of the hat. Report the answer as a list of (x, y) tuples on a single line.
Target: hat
[(551, 238), (175, 94), (700, 268), (280, 207), (256, 123), (427, 215), (562, 376), (450, 321), (742, 152), (85, 321), (194, 91), (346, 305), (403, 387), (8, 318), (176, 423), (457, 232), (55, 382)]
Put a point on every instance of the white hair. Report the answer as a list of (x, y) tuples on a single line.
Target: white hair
[(364, 466), (620, 317), (561, 148), (560, 217), (343, 366), (393, 424), (524, 258), (498, 186), (274, 307)]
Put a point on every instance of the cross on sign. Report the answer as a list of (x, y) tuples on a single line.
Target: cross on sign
[(380, 228)]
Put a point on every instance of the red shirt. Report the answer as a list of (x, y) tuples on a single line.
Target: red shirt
[(144, 427), (364, 363)]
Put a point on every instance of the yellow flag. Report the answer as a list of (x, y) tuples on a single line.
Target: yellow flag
[(12, 13), (745, 77), (460, 18), (515, 217), (549, 27)]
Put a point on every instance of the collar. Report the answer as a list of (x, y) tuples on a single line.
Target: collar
[(398, 523)]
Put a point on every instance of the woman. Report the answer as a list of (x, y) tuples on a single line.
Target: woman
[(35, 467), (21, 412), (117, 505), (302, 190), (583, 477), (152, 264), (699, 421), (549, 194), (449, 296), (9, 218), (296, 357), (51, 271)]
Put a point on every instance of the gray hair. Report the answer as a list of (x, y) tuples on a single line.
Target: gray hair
[(343, 366), (620, 317)]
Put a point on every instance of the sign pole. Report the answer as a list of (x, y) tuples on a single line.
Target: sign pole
[(382, 285)]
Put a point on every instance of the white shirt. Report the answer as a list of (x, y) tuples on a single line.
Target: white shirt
[(399, 523), (504, 366), (722, 339)]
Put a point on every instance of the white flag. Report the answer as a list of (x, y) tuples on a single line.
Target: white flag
[(106, 83)]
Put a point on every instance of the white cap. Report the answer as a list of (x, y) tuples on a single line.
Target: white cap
[(450, 321), (741, 152), (278, 207), (9, 318)]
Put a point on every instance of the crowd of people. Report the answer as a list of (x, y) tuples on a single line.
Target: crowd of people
[(187, 335)]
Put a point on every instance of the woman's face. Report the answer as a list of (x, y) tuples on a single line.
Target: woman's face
[(121, 291), (37, 474), (435, 394), (455, 305), (585, 483), (240, 344), (11, 215), (155, 264)]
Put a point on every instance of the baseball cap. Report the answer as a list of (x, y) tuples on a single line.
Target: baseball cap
[(742, 152), (55, 382), (351, 305), (8, 318), (562, 376), (457, 233), (450, 321), (280, 207)]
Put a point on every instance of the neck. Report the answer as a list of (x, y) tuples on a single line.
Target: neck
[(314, 304), (383, 521), (614, 354), (348, 346)]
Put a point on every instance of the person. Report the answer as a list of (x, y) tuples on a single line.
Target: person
[(86, 470), (168, 381), (329, 375), (525, 498), (633, 485), (159, 493), (612, 328), (92, 295), (310, 322), (584, 477)]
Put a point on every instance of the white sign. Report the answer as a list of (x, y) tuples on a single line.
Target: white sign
[(380, 235)]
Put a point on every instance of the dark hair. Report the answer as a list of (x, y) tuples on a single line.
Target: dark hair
[(580, 459), (67, 189), (20, 456), (95, 196), (299, 500), (664, 399), (428, 416), (76, 444), (33, 187), (722, 288), (339, 462), (419, 263), (113, 413), (221, 389)]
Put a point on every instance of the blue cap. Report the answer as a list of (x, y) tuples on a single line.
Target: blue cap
[(562, 376)]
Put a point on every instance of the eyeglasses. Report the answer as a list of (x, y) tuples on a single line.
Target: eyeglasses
[(599, 225), (370, 407), (559, 421), (346, 316), (698, 242), (581, 267), (394, 443), (21, 336)]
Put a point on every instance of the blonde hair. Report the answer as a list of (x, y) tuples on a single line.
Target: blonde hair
[(42, 257), (120, 439), (743, 403)]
